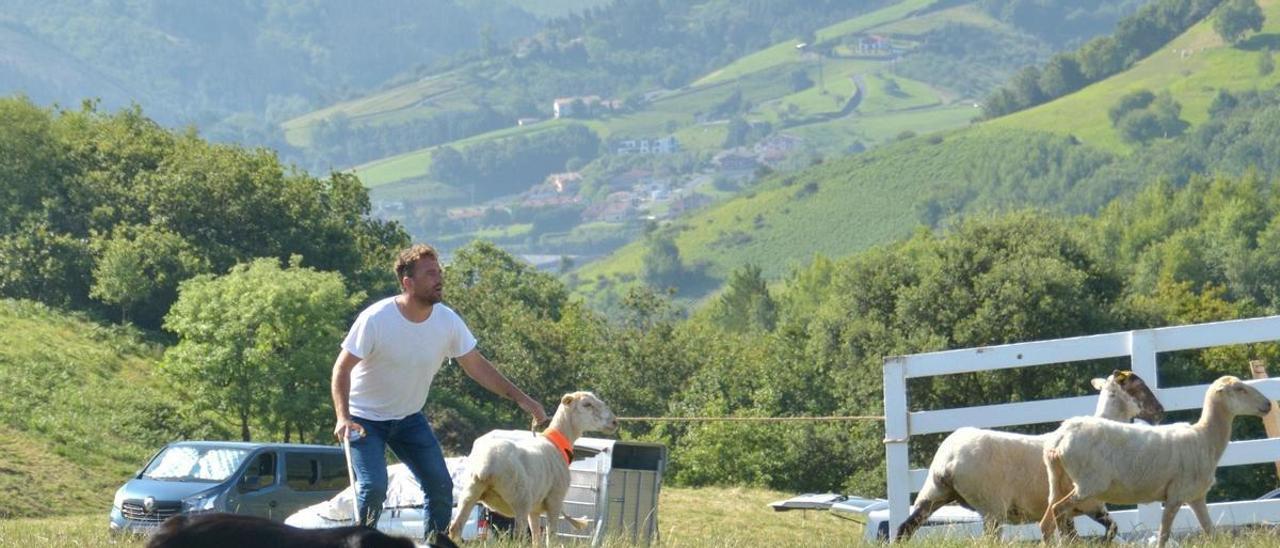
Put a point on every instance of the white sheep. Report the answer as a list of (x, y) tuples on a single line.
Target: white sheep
[(530, 477), (1001, 475), (1095, 461)]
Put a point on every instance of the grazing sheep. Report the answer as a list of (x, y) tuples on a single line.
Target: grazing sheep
[(1101, 461), (530, 477), (1001, 475)]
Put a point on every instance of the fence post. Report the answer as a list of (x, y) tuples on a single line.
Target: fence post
[(1142, 360), (896, 436), (1271, 422)]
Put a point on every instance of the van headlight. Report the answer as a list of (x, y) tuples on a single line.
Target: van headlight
[(118, 502), (199, 503)]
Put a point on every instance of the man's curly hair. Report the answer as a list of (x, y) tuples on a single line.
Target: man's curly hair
[(409, 258)]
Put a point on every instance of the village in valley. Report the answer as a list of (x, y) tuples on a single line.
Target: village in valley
[(630, 197)]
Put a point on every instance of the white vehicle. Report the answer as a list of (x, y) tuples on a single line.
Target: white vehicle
[(952, 521), (402, 512)]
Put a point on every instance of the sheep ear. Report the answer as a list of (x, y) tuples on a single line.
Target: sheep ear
[(1098, 383), (568, 399)]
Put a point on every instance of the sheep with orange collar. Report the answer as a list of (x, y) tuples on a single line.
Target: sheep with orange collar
[(530, 477)]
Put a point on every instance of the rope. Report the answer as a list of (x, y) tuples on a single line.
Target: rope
[(754, 419)]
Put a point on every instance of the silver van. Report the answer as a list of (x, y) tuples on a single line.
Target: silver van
[(272, 480)]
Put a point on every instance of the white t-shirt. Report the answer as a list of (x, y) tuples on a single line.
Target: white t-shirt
[(399, 358)]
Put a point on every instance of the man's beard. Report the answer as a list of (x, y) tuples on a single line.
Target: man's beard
[(427, 300)]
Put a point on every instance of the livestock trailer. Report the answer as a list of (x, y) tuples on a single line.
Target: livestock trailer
[(614, 484)]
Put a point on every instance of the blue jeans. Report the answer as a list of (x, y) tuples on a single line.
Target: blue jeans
[(416, 445)]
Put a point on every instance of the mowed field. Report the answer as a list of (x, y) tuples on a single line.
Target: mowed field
[(707, 517)]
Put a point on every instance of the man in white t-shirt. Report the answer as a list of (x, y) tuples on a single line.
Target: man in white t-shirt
[(381, 379)]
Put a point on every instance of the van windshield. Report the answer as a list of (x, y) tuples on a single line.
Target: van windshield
[(188, 463)]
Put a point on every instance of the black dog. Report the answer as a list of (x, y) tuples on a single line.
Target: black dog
[(226, 530)]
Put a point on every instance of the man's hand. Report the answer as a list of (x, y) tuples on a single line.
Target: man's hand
[(532, 407), (343, 426)]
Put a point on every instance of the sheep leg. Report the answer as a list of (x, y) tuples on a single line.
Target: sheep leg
[(1049, 523), (991, 527), (1201, 510), (923, 509), (1067, 526), (521, 513), (535, 528), (1166, 520), (1104, 519), (464, 509), (553, 519)]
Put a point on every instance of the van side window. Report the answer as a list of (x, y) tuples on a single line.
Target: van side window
[(333, 472), (302, 471), (316, 471), (263, 469)]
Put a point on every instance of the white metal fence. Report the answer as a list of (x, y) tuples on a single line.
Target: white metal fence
[(1140, 346)]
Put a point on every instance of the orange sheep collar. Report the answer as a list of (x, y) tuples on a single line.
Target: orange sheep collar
[(561, 442)]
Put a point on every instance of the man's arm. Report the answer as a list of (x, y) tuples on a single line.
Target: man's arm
[(340, 387), (478, 367)]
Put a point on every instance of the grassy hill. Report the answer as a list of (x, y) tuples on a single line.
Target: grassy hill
[(46, 74), (1192, 68), (762, 79), (1026, 159), (81, 411)]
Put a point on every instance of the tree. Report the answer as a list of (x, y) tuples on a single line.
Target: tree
[(1168, 115), (662, 264), (736, 133), (745, 304), (1131, 101), (141, 268), (1139, 126), (1266, 62), (1061, 76), (800, 80), (1236, 18), (256, 345)]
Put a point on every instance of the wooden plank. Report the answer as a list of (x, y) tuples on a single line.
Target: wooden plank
[(896, 437), (1271, 422), (1186, 337), (1004, 414), (990, 358)]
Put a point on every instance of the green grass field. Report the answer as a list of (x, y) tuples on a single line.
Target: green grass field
[(399, 104), (707, 517), (785, 52), (59, 450), (969, 14), (1192, 67)]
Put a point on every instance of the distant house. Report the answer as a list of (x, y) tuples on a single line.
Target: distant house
[(616, 207), (527, 121), (734, 159), (874, 44), (780, 142), (661, 145), (564, 107), (540, 202), (469, 217)]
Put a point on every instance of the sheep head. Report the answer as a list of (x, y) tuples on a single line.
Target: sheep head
[(1239, 398), (1131, 393), (588, 413)]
